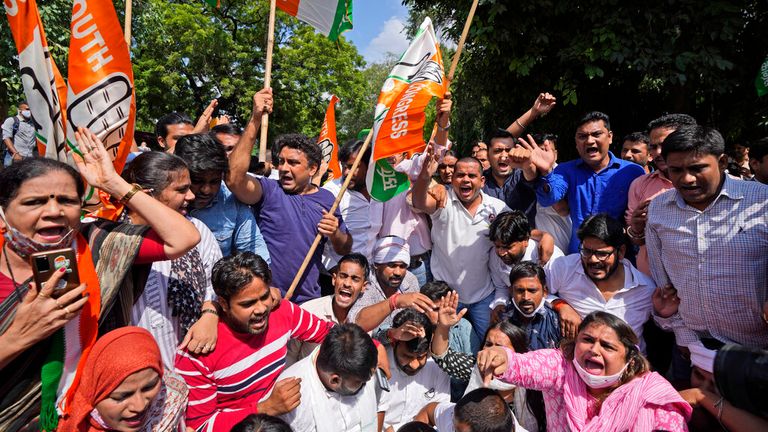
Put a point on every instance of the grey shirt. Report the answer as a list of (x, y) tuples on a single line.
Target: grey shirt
[(24, 141)]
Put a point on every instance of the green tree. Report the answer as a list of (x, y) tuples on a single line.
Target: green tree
[(632, 60)]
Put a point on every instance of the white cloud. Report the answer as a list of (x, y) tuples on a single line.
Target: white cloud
[(391, 39)]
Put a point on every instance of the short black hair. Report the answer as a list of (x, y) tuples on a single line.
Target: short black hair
[(546, 136), (202, 154), (174, 118), (526, 269), (509, 227), (470, 159), (436, 289), (347, 350), (352, 147), (262, 423), (303, 144), (637, 137), (231, 274), (154, 170), (499, 133), (758, 149), (595, 116), (416, 426), (699, 139), (416, 345), (484, 410), (358, 259), (670, 121), (14, 176), (604, 228), (226, 129)]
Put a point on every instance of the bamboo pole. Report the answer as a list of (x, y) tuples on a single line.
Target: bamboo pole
[(267, 80), (335, 205), (462, 40), (127, 24)]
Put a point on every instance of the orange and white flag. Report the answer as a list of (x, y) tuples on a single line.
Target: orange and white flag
[(44, 88), (101, 95), (328, 142), (398, 124)]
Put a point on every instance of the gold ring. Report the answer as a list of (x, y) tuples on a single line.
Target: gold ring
[(59, 304), (66, 310), (43, 295)]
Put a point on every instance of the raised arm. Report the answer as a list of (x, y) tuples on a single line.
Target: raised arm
[(178, 234), (541, 106), (372, 316), (422, 200), (245, 187)]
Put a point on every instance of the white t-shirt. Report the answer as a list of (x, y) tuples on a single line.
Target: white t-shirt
[(500, 271), (461, 248), (321, 410), (409, 394)]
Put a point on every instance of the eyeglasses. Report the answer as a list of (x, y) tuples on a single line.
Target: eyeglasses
[(600, 255)]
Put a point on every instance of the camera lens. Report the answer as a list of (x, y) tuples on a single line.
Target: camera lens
[(42, 264), (741, 374)]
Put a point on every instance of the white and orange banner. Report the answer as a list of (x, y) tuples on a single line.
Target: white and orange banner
[(400, 112), (44, 88), (101, 95), (329, 17), (328, 142)]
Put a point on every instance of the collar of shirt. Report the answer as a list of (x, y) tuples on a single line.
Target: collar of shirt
[(730, 189), (631, 276), (483, 210), (613, 162)]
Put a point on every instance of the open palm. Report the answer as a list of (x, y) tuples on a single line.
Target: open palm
[(92, 159)]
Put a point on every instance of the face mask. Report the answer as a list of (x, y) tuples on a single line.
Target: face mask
[(598, 381), (24, 246), (530, 315), (26, 114), (476, 381)]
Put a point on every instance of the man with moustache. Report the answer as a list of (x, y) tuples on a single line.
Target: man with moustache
[(635, 149), (643, 189), (291, 211), (233, 380), (599, 278), (597, 182), (446, 167), (350, 280), (391, 288), (416, 379)]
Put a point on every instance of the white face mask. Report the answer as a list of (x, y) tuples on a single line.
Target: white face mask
[(598, 381), (530, 315), (476, 381), (26, 114)]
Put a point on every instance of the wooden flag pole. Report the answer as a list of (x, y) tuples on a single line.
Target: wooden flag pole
[(462, 40), (335, 205), (127, 24), (267, 79)]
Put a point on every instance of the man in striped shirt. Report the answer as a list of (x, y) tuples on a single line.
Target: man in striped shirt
[(229, 383)]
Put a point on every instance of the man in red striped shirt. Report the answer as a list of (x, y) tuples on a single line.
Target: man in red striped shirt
[(229, 383)]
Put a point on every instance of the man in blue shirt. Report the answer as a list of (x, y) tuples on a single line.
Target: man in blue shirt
[(598, 182), (231, 221)]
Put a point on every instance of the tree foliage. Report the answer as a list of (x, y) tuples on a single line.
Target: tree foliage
[(632, 60)]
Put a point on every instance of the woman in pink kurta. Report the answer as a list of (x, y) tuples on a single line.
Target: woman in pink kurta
[(622, 395)]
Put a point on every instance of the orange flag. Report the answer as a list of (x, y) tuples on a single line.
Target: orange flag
[(327, 141), (43, 86), (101, 95)]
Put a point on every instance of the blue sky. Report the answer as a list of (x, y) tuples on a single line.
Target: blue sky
[(379, 28)]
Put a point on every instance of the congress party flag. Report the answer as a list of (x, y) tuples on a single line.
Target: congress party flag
[(399, 118), (329, 17), (328, 142), (44, 88), (101, 95), (761, 82)]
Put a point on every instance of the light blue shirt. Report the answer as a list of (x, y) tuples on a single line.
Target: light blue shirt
[(233, 224)]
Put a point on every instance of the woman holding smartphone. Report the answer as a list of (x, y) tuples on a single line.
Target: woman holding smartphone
[(43, 335)]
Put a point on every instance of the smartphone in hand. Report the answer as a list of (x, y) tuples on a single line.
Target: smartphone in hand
[(45, 264)]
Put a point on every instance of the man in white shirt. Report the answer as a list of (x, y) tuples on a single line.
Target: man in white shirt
[(510, 233), (416, 379), (598, 278), (337, 392), (460, 246), (482, 409), (349, 281), (361, 214)]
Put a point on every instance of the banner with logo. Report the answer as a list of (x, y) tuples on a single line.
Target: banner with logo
[(761, 82), (44, 88), (328, 142), (329, 17)]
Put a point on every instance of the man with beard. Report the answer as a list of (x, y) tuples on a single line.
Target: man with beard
[(349, 281), (635, 149), (392, 288), (231, 221), (511, 237), (229, 383), (361, 215), (597, 182), (292, 211), (649, 186), (170, 127), (416, 378), (337, 392), (599, 278)]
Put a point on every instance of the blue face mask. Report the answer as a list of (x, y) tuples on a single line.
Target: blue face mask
[(26, 114)]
